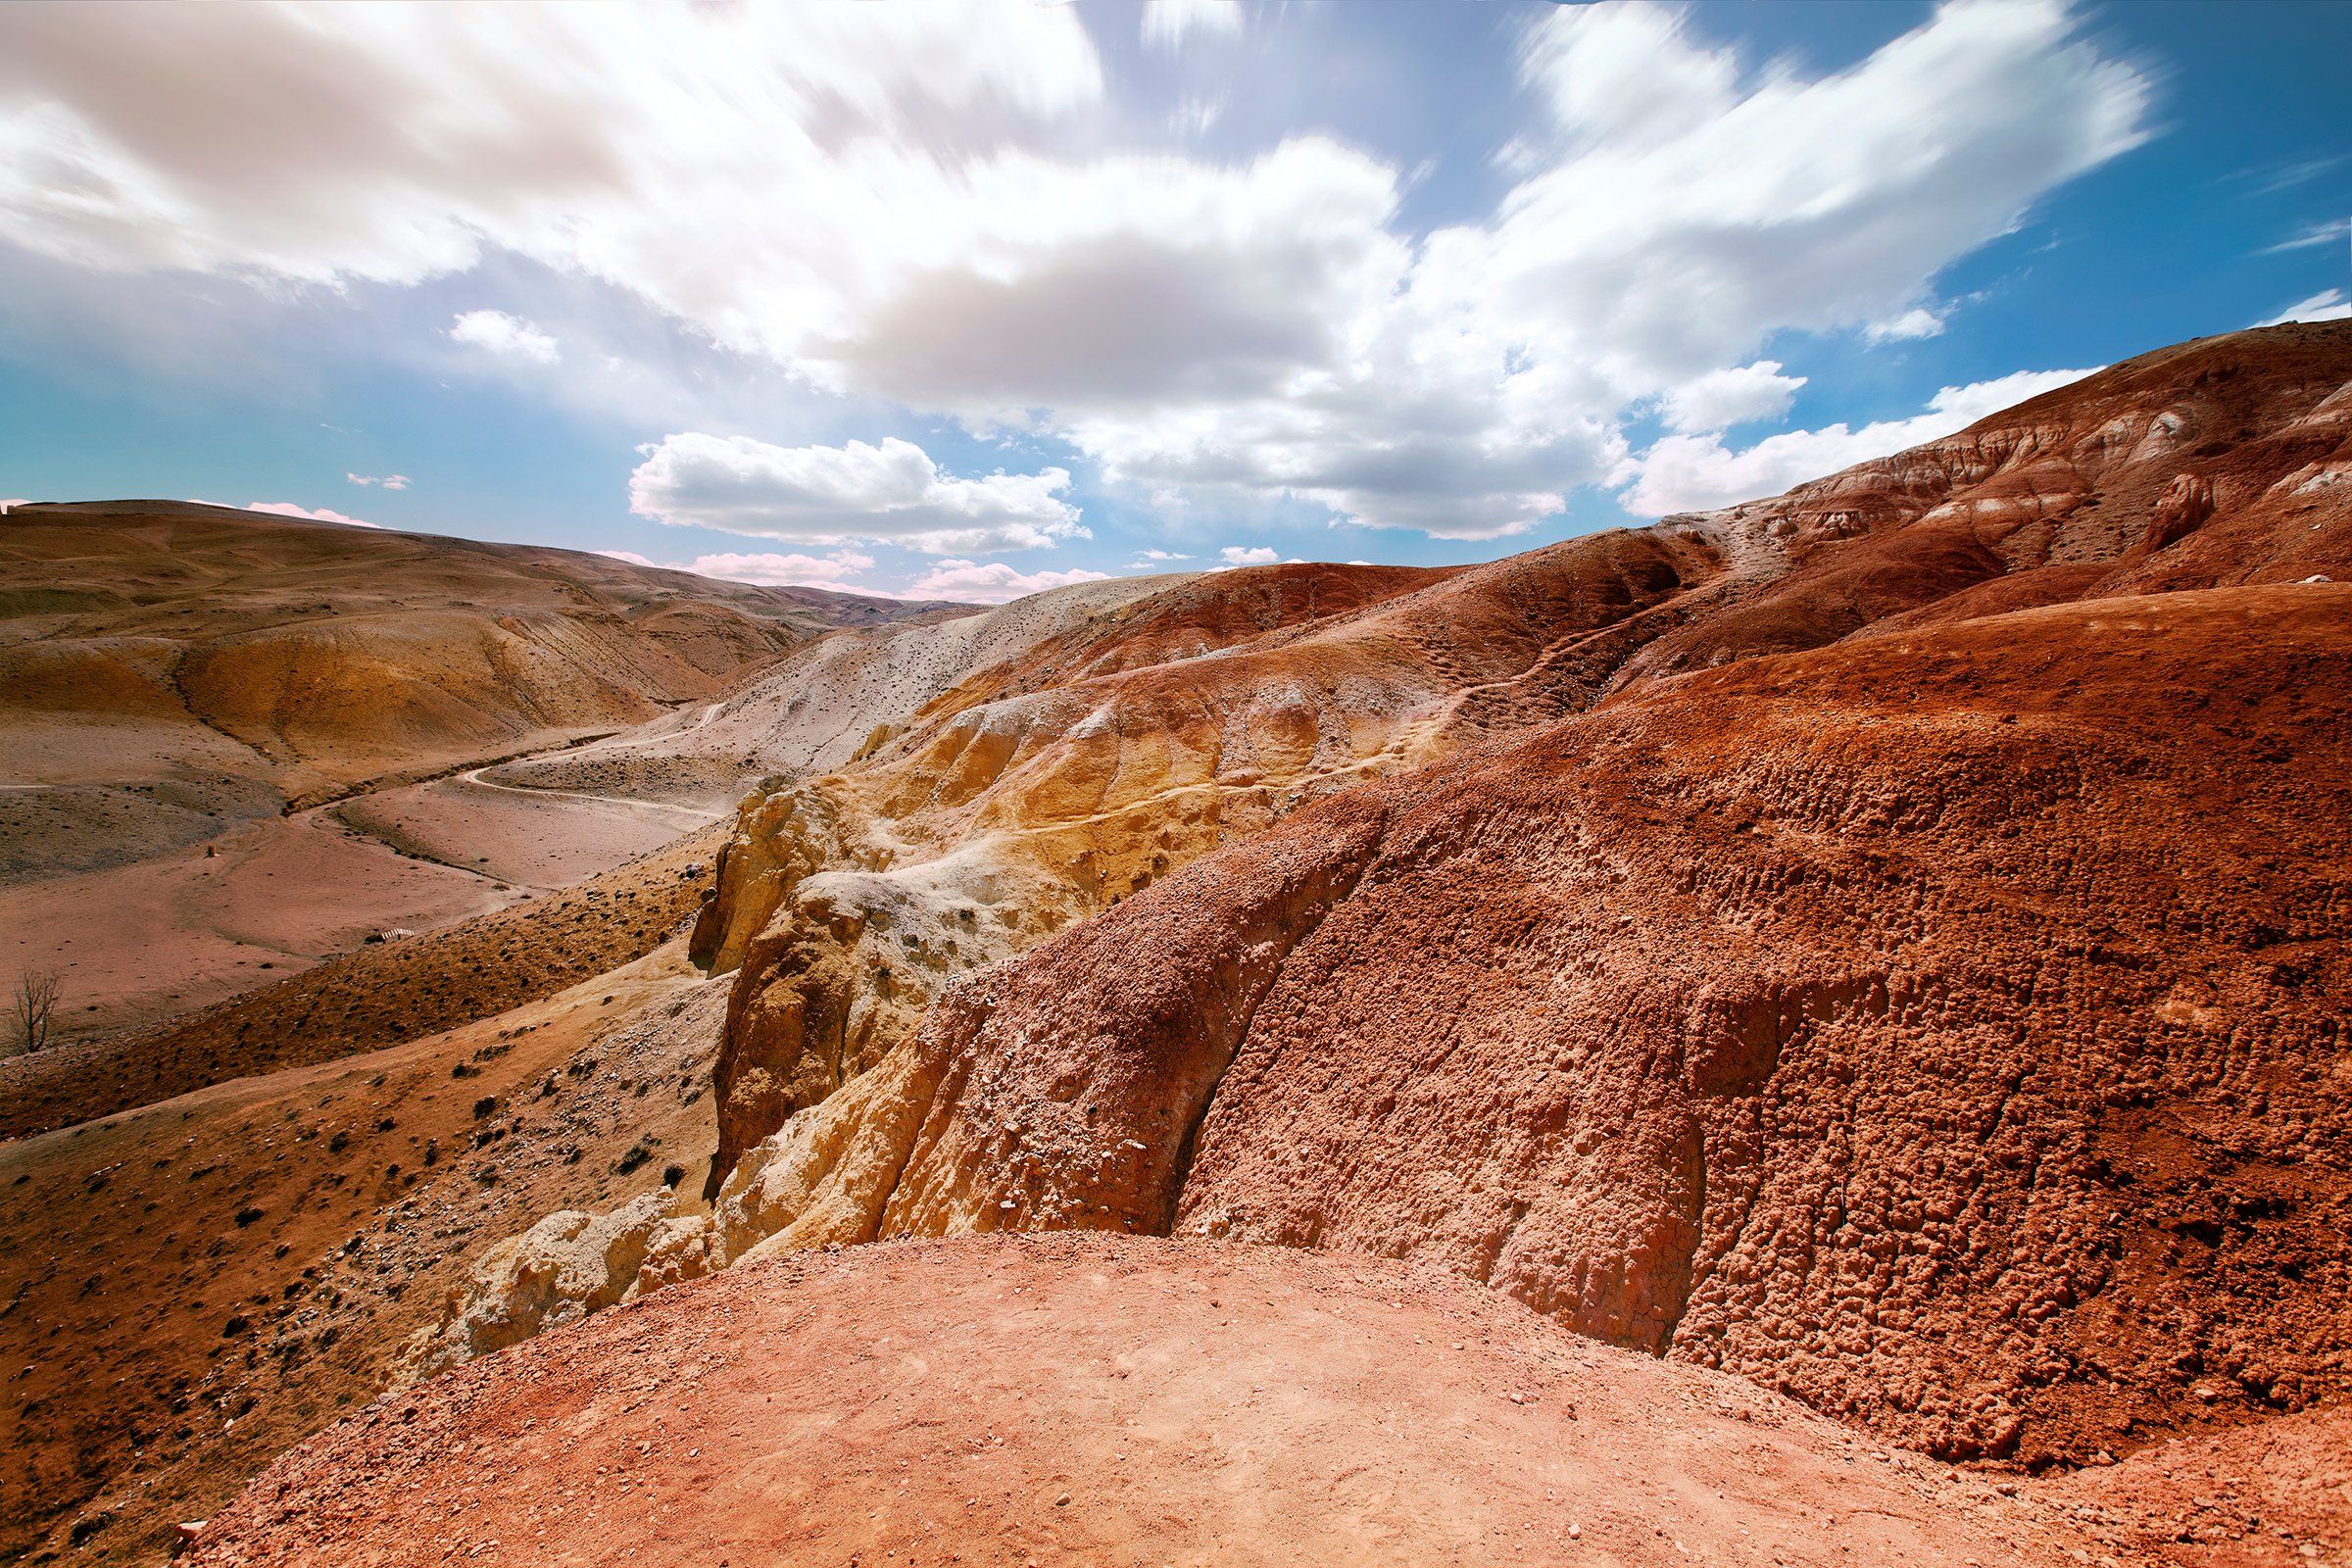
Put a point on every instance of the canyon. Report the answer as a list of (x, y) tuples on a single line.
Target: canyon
[(1861, 970)]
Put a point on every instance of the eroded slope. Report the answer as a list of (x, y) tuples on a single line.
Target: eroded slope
[(1040, 792), (1943, 1028)]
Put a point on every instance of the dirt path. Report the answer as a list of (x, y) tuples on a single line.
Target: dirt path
[(685, 816)]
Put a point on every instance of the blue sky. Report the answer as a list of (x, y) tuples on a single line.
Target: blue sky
[(966, 302)]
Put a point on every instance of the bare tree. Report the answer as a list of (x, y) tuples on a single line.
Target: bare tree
[(35, 999)]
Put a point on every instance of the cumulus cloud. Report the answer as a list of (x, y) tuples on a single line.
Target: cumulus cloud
[(890, 493), (2328, 305), (391, 144), (910, 203), (506, 336), (1671, 215), (1916, 322), (836, 570), (1720, 399), (1692, 473), (1167, 23), (1667, 235), (992, 584), (1248, 555), (1161, 555), (389, 481)]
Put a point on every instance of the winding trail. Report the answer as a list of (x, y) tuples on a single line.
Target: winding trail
[(693, 816)]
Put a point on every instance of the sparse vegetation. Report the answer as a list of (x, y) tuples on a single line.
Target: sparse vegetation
[(33, 1006)]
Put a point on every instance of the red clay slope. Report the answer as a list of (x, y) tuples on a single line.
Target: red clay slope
[(1945, 1028)]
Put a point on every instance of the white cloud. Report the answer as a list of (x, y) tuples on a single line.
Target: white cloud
[(838, 568), (840, 495), (2265, 180), (1916, 322), (1625, 75), (1670, 218), (1693, 473), (389, 481), (391, 144), (506, 336), (18, 501), (1161, 555), (1669, 237), (1248, 555), (288, 509), (1167, 23), (911, 203), (994, 583), (1723, 397), (2332, 231), (2328, 305)]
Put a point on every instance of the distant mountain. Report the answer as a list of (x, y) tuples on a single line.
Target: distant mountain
[(170, 667)]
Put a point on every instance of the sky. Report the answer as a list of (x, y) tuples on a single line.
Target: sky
[(966, 301)]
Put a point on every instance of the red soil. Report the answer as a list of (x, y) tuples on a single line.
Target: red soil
[(1101, 1401), (188, 1289), (1885, 942)]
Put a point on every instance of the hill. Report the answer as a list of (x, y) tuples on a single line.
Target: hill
[(1873, 951), (208, 652), (217, 723)]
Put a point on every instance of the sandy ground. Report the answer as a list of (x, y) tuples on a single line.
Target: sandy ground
[(376, 995), (139, 941), (525, 837), (136, 942)]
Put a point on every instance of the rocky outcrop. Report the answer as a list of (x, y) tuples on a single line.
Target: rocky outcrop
[(1015, 806), (1046, 788)]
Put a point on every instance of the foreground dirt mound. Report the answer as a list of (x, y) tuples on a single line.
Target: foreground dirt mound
[(1945, 1029), (1102, 1401)]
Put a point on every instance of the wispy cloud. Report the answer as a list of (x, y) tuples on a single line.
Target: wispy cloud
[(2329, 231)]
